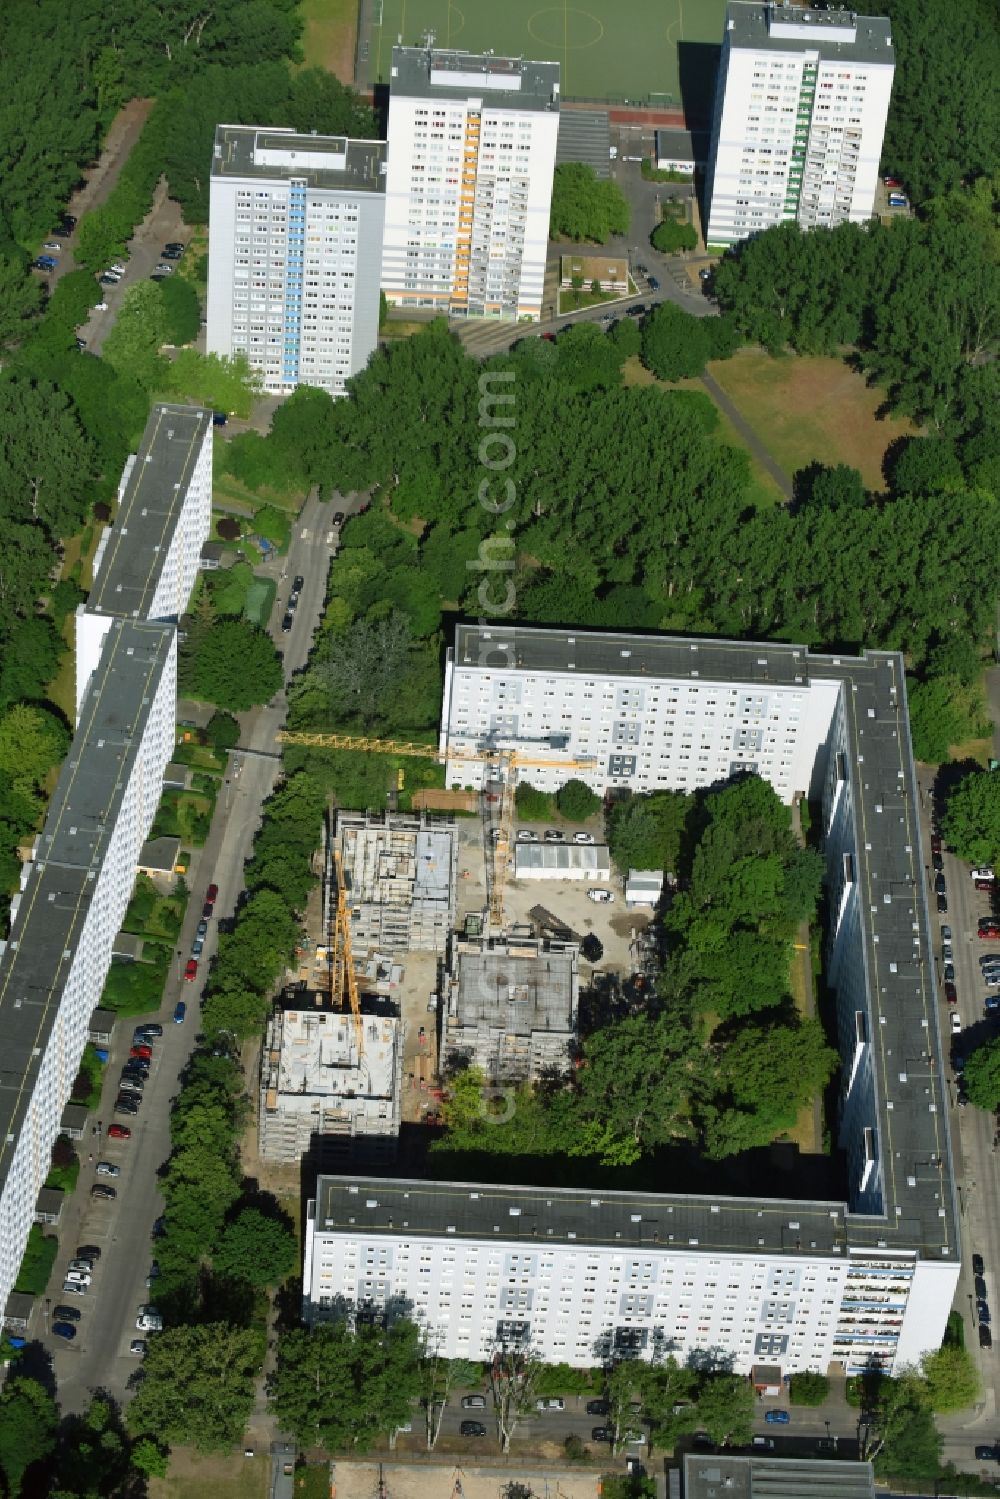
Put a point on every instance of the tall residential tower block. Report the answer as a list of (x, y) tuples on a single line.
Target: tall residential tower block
[(800, 110), (469, 185), (295, 251)]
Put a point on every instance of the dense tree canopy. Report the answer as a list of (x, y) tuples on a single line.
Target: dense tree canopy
[(345, 1388), (585, 207), (971, 818), (197, 1385), (231, 663)]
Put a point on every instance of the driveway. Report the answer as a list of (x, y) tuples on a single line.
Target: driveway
[(99, 1357)]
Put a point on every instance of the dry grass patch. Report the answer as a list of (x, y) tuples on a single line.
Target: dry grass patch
[(808, 410), (231, 1476), (329, 33)]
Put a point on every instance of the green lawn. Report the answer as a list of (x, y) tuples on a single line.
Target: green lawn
[(607, 49), (328, 35), (811, 410)]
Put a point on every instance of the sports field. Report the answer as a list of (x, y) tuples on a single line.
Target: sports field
[(613, 50)]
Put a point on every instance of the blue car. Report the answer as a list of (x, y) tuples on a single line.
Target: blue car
[(992, 1004), (45, 263), (777, 1418), (64, 1330), (180, 1010)]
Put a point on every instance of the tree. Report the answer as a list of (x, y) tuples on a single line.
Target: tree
[(46, 465), (576, 801), (982, 1076), (669, 1393), (674, 343), (971, 819), (223, 731), (672, 236), (345, 1387), (767, 1072), (726, 1409), (943, 713), (257, 1248), (224, 384), (148, 1457), (808, 1388), (28, 1422), (197, 1385), (584, 207), (133, 345), (646, 832), (181, 311), (633, 1086), (514, 1373), (365, 666), (20, 295), (233, 664), (952, 1378), (438, 1377), (926, 465), (32, 741), (318, 101), (896, 1430)]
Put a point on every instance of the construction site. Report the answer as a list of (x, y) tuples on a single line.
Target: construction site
[(509, 1006), (426, 945)]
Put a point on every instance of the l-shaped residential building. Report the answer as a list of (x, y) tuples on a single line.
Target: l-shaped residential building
[(801, 1284)]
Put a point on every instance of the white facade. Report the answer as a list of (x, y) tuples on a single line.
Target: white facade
[(472, 150), (147, 561), (800, 111), (295, 250), (74, 898), (680, 721), (502, 1265)]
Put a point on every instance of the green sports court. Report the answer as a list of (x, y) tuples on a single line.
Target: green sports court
[(609, 50)]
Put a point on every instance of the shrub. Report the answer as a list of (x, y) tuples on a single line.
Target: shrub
[(808, 1388)]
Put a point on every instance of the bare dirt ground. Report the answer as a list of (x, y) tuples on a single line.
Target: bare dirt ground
[(445, 1480)]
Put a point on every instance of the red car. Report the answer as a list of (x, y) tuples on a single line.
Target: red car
[(146, 1052), (935, 843), (951, 993), (989, 932), (119, 1132), (190, 972), (211, 895)]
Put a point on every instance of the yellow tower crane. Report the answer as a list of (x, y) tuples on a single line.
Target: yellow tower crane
[(508, 761), (342, 973)]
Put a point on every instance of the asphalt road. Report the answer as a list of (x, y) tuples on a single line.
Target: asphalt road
[(163, 223), (99, 1357)]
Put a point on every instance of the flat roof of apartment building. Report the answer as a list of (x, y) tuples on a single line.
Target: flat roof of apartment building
[(330, 162), (902, 1022), (832, 35), (501, 82), (53, 908), (717, 1475), (139, 540)]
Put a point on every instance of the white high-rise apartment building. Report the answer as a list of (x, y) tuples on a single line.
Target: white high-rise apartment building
[(472, 150), (147, 562), (862, 1272), (295, 253), (800, 110), (72, 901)]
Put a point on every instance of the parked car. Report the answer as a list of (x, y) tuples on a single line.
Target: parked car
[(980, 1285), (80, 1264), (53, 246), (940, 885), (73, 1288), (139, 1347), (951, 993), (44, 263), (988, 1454), (143, 1050), (206, 911), (983, 873), (602, 1433), (949, 972), (197, 947), (942, 905), (180, 1010), (554, 835), (338, 517), (985, 1337), (956, 1023), (597, 1408), (107, 1168), (654, 284), (550, 1403), (152, 1030), (78, 1278), (946, 952), (526, 835), (175, 244), (64, 1330), (984, 885), (298, 583), (211, 895), (989, 933), (473, 1402), (601, 897), (119, 1132), (777, 1418), (639, 311), (202, 929), (288, 619), (583, 838), (219, 418), (191, 970), (88, 1252), (164, 269), (67, 1313), (126, 1106), (978, 1266), (149, 1319), (991, 1004), (105, 1194), (472, 1429)]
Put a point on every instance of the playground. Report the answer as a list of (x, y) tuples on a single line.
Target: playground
[(639, 52)]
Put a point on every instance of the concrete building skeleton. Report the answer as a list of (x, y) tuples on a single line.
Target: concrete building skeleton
[(802, 1284), (509, 1006), (401, 874), (318, 1091)]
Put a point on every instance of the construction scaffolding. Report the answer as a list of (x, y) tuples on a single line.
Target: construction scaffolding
[(510, 1005), (319, 1085), (400, 876)]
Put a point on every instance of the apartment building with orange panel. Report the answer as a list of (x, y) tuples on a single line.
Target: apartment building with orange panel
[(472, 148)]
